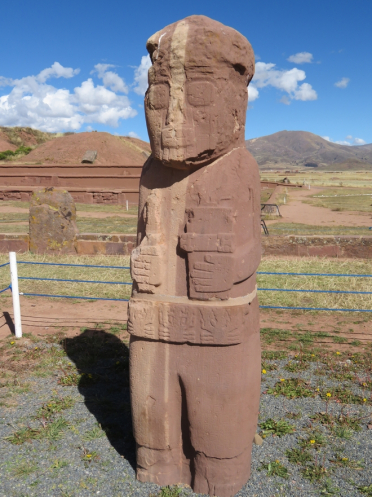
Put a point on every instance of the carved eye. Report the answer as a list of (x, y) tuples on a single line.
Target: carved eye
[(158, 96), (200, 93)]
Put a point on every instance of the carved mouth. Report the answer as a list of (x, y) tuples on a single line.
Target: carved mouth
[(180, 137)]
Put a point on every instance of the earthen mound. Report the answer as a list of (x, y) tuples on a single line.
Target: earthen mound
[(110, 149)]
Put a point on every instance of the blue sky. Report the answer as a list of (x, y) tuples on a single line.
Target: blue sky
[(76, 65)]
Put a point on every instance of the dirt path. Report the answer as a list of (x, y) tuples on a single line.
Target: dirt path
[(43, 316), (298, 212)]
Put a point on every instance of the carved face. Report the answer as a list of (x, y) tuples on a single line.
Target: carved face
[(195, 107)]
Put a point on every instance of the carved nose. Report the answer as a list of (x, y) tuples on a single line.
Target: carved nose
[(175, 114)]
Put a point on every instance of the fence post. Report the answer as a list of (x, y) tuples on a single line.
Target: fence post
[(127, 204), (15, 294)]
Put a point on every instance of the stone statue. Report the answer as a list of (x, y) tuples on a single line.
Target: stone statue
[(193, 316)]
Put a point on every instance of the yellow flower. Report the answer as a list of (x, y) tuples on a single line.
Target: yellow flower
[(338, 353), (312, 355), (11, 343), (345, 459), (36, 348), (312, 441), (364, 384), (277, 461), (364, 400), (88, 455), (264, 371), (317, 389), (282, 379), (263, 436), (328, 394)]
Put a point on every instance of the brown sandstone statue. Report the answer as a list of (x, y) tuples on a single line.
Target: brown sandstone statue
[(193, 316)]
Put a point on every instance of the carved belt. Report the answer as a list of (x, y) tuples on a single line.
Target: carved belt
[(180, 320)]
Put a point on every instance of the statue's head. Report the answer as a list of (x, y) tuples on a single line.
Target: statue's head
[(197, 97)]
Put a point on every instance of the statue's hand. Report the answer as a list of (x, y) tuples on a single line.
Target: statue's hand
[(146, 267), (214, 274)]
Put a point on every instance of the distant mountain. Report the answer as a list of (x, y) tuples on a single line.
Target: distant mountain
[(297, 149)]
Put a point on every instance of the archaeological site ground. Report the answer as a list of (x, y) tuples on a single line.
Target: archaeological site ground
[(66, 424)]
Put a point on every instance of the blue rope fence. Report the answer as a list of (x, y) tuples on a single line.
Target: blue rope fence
[(72, 265), (258, 272)]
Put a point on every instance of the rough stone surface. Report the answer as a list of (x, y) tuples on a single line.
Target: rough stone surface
[(89, 157), (193, 316), (52, 222)]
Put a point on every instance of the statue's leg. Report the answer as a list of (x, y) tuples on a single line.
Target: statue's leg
[(222, 394), (156, 411)]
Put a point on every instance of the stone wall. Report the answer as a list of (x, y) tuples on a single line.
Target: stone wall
[(358, 247)]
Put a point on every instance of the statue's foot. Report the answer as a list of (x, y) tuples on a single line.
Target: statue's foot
[(164, 466), (221, 477)]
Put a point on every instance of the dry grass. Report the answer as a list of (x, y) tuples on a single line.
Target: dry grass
[(358, 179), (77, 273), (344, 199), (290, 299), (316, 265)]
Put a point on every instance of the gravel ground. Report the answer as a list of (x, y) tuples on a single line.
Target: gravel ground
[(92, 453)]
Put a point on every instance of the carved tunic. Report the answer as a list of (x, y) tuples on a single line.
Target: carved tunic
[(198, 242)]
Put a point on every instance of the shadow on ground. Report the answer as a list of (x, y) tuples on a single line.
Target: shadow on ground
[(102, 359)]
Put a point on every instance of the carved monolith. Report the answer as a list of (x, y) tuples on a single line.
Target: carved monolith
[(193, 316), (52, 222)]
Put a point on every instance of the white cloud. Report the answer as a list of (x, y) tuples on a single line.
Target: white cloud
[(132, 134), (301, 58), (32, 102), (140, 75), (285, 100), (252, 93), (305, 92), (56, 71), (342, 83), (110, 79), (286, 81), (356, 141)]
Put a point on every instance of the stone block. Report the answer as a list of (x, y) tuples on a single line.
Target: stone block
[(52, 222)]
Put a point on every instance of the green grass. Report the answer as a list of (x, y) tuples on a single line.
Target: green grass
[(298, 229), (9, 154), (314, 472), (278, 428), (291, 388), (298, 456), (275, 468), (55, 406)]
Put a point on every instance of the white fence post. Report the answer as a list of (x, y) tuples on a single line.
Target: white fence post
[(127, 203), (15, 294)]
